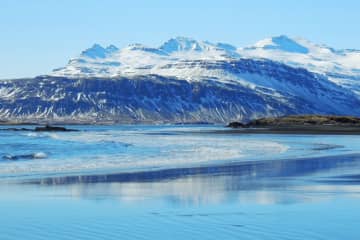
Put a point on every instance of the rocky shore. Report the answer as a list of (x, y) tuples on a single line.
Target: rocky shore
[(298, 124), (46, 128)]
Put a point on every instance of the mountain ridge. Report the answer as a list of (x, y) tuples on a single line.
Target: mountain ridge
[(340, 66)]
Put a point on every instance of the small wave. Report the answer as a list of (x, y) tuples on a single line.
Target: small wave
[(35, 135), (38, 155), (322, 147)]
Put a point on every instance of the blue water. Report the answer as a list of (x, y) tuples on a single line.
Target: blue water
[(178, 182)]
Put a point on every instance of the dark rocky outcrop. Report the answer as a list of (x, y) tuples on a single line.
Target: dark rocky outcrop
[(300, 120), (236, 125), (46, 128), (16, 129), (49, 128)]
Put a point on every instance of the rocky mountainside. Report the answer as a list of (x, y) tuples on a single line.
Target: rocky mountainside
[(185, 80)]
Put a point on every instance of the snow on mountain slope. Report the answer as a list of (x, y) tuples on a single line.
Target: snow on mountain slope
[(97, 51), (341, 66), (137, 59), (183, 44), (281, 43)]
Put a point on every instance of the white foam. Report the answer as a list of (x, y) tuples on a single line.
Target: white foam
[(40, 155)]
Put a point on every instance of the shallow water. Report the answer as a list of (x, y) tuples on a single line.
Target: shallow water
[(178, 182)]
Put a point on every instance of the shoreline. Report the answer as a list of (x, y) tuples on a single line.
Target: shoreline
[(104, 123), (284, 129), (301, 129)]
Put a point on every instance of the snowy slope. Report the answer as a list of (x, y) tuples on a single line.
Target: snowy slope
[(137, 59), (340, 66)]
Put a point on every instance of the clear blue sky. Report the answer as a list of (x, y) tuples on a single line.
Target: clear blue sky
[(37, 36)]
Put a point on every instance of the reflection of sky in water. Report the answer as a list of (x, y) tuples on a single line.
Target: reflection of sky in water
[(200, 207)]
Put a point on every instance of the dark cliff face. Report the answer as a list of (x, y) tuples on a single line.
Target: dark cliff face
[(153, 98)]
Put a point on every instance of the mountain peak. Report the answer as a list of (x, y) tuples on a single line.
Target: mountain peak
[(96, 51), (283, 43), (182, 44)]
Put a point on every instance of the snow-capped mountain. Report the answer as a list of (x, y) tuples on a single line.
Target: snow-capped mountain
[(340, 66), (137, 59), (185, 80)]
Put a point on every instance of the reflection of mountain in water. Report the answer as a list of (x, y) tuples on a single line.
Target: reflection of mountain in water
[(255, 170), (212, 184)]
